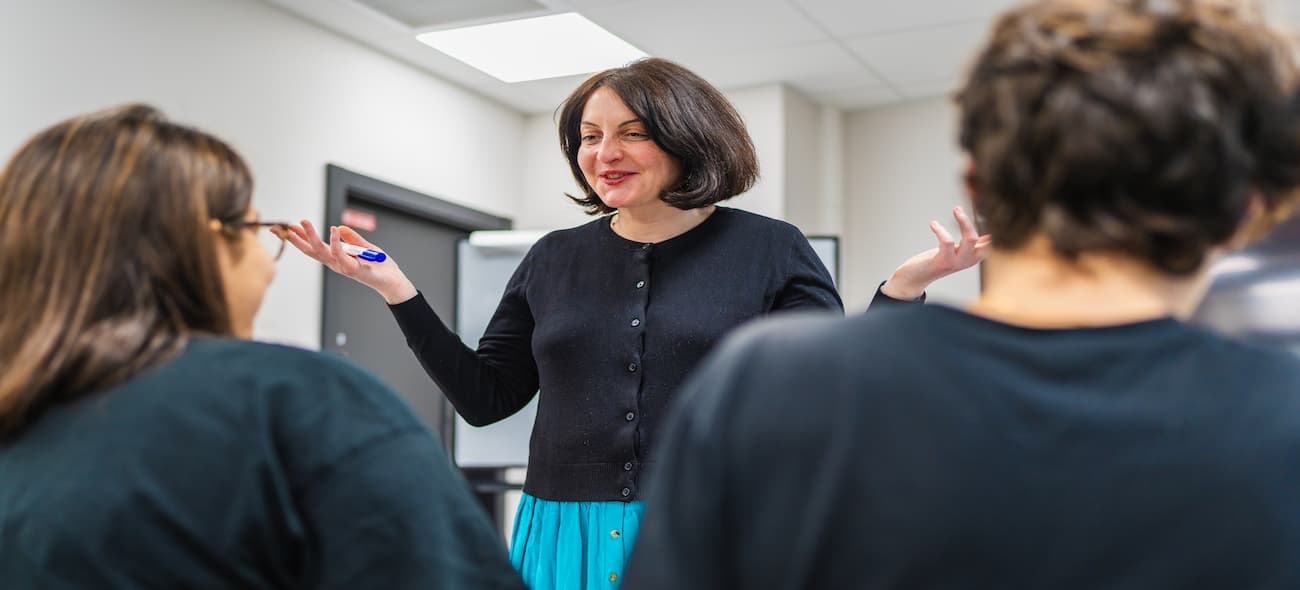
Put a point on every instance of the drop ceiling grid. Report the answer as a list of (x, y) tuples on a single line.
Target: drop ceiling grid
[(682, 31), (921, 55), (823, 66), (423, 13), (846, 53), (857, 18)]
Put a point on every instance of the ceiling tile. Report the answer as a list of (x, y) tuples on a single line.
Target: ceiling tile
[(940, 53), (346, 17), (854, 18), (678, 29), (812, 68), (544, 96), (858, 98), (581, 5), (931, 89), (422, 14)]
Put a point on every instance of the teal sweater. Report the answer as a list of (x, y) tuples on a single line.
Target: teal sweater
[(240, 465)]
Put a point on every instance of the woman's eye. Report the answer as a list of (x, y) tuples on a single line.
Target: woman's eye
[(590, 139), (638, 135)]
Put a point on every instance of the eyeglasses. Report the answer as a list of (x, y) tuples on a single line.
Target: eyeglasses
[(273, 239)]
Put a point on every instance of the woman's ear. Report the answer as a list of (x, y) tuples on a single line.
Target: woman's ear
[(222, 241)]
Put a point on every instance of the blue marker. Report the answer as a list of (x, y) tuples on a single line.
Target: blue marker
[(364, 253)]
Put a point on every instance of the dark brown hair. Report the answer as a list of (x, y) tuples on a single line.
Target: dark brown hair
[(685, 116), (107, 261), (1132, 126)]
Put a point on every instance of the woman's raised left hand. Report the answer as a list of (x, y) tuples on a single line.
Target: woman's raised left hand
[(915, 274)]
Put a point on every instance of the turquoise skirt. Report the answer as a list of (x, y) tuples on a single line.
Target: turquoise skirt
[(573, 545)]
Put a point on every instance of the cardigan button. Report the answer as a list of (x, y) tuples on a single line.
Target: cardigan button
[(636, 322), (640, 284), (627, 467), (627, 492), (630, 416), (631, 367)]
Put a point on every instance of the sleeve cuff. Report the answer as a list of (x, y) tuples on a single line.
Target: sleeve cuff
[(886, 300)]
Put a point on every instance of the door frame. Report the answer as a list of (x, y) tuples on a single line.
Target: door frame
[(342, 184)]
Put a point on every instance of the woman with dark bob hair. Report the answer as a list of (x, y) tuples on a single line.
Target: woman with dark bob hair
[(607, 318), (1066, 430), (143, 442)]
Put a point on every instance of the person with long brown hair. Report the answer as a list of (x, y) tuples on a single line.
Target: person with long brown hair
[(1067, 429), (607, 318), (144, 443)]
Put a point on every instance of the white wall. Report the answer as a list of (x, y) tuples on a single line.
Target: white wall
[(290, 96), (814, 165), (903, 169), (542, 204), (762, 108), (803, 182)]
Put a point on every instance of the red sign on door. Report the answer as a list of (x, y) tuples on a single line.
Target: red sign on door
[(359, 220)]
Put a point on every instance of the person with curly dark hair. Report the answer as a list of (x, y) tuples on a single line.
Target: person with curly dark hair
[(1067, 429), (607, 318)]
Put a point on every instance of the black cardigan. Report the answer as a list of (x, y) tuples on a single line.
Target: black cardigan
[(608, 328)]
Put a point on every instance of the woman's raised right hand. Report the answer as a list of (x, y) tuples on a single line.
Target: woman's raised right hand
[(385, 277)]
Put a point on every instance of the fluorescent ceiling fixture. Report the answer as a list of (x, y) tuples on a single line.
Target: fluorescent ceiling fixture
[(535, 48)]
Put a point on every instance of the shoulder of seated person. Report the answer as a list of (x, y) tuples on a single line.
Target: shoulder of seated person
[(235, 356), (796, 328)]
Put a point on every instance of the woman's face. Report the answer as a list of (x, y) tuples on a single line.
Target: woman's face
[(619, 159), (246, 271)]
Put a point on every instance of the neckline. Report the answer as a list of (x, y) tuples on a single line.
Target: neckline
[(1154, 323), (687, 236)]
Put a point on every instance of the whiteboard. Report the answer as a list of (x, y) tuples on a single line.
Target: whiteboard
[(484, 265), (481, 277)]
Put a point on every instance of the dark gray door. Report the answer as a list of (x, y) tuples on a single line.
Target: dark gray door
[(360, 326), (422, 233)]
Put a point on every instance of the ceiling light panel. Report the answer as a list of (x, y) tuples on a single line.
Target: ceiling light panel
[(535, 48)]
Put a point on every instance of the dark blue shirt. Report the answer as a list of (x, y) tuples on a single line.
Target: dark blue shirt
[(929, 448), (240, 465)]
